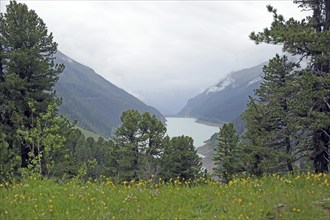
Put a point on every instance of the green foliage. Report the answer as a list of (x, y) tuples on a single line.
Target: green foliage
[(227, 153), (142, 150), (44, 139), (9, 160), (180, 159), (297, 99), (138, 145), (270, 127), (88, 133), (27, 74), (96, 156)]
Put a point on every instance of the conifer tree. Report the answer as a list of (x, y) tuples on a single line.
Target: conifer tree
[(138, 145), (274, 109), (28, 73), (257, 156), (227, 153), (180, 159), (308, 39)]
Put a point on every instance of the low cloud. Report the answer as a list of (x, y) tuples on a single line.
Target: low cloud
[(167, 51)]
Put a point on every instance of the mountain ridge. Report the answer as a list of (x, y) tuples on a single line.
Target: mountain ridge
[(226, 100), (94, 102)]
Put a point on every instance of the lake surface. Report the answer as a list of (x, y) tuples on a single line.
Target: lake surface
[(189, 127)]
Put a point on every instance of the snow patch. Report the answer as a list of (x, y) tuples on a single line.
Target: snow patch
[(67, 59), (224, 84), (254, 81)]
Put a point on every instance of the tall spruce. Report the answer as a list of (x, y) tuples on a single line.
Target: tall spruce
[(227, 153), (274, 93), (258, 155), (309, 39), (28, 73)]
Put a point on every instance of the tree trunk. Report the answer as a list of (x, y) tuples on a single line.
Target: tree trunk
[(288, 151), (2, 76), (321, 152), (24, 156)]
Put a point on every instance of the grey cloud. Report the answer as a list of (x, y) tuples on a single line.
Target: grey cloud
[(166, 51)]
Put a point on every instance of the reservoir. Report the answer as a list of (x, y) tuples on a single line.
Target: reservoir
[(189, 127)]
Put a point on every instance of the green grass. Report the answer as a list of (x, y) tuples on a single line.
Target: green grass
[(273, 197), (88, 133)]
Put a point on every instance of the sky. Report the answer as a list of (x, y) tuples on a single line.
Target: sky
[(162, 52)]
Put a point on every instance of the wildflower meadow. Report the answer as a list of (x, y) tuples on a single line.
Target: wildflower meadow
[(305, 196)]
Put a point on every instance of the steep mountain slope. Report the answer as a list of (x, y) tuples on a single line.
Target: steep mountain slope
[(207, 150), (93, 101), (226, 100)]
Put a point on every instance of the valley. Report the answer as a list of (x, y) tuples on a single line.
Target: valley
[(97, 104), (252, 145)]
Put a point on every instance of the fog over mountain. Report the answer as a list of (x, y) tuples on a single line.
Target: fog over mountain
[(226, 100), (162, 52)]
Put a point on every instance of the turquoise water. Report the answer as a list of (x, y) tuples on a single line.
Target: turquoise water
[(189, 127)]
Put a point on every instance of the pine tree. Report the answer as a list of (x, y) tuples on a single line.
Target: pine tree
[(274, 94), (138, 145), (28, 73), (180, 159), (258, 158), (308, 39), (227, 153)]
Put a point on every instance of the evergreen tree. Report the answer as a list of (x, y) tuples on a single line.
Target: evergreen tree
[(154, 132), (28, 73), (308, 39), (270, 125), (258, 158), (180, 158), (9, 160), (227, 153), (138, 145)]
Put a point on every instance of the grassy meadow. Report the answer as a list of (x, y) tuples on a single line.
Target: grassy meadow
[(305, 196), (88, 133)]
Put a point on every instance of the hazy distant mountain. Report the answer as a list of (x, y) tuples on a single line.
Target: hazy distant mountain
[(93, 101), (226, 100)]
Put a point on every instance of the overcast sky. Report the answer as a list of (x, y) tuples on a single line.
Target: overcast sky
[(163, 52)]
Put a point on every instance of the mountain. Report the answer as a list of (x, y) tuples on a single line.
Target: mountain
[(226, 100), (207, 150), (94, 102)]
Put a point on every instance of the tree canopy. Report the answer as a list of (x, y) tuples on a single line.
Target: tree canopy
[(28, 73), (293, 101)]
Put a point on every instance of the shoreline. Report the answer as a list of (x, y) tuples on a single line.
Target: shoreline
[(199, 121), (209, 123)]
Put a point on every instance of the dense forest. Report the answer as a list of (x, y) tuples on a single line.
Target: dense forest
[(287, 121)]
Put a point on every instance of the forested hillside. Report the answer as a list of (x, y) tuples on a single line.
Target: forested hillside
[(92, 101)]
